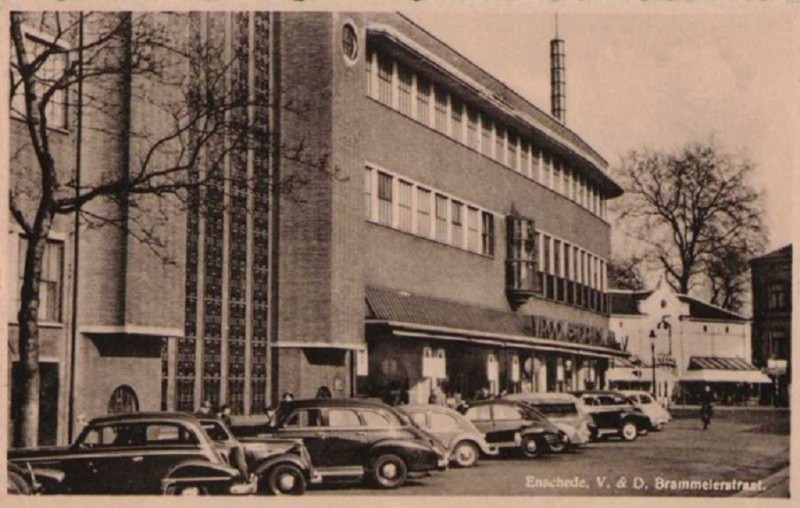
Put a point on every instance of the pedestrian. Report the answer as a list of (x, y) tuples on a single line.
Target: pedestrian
[(205, 408), (287, 397), (224, 414), (324, 392), (706, 406), (483, 394)]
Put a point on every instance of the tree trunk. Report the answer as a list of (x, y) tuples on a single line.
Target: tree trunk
[(26, 425)]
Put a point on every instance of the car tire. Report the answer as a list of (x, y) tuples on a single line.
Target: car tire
[(560, 447), (186, 490), (389, 471), (629, 431), (282, 480), (466, 454), (17, 485), (530, 447)]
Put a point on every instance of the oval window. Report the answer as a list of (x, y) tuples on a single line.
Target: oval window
[(349, 42)]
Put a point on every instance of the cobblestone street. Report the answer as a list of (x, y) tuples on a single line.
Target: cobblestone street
[(747, 446)]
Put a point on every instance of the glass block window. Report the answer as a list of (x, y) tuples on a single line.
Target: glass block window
[(473, 235), (441, 111), (472, 128), (456, 119), (486, 137), (511, 160), (406, 79), (500, 145), (385, 80), (423, 100), (457, 225)]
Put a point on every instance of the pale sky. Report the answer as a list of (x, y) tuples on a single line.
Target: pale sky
[(657, 78)]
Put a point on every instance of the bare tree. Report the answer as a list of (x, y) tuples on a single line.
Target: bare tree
[(693, 210), (189, 118), (626, 272)]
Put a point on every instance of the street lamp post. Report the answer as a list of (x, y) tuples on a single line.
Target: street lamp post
[(653, 358)]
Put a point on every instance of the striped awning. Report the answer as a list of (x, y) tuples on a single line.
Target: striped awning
[(715, 369)]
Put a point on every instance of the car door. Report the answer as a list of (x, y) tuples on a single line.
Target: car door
[(310, 425), (481, 417), (508, 420), (347, 438), (166, 444), (116, 466), (602, 417)]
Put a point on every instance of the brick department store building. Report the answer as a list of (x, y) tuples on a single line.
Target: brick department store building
[(462, 243)]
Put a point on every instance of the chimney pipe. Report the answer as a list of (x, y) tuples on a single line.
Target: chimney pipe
[(558, 90)]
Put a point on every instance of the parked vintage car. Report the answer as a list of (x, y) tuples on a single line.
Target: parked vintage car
[(564, 410), (280, 466), (138, 453), (659, 416), (464, 442), (354, 439), (511, 424), (613, 414)]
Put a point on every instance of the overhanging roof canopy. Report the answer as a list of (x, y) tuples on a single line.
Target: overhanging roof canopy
[(715, 369)]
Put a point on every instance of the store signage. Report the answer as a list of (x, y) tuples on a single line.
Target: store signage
[(558, 329)]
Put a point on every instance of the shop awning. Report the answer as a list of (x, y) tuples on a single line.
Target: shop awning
[(626, 374), (401, 314), (714, 369)]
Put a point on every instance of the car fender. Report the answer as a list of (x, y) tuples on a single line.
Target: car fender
[(480, 443), (190, 470), (39, 478), (400, 447), (264, 465)]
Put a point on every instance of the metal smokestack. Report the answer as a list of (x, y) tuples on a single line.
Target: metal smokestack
[(558, 76)]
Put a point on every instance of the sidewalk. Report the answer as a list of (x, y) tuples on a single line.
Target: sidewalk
[(776, 485)]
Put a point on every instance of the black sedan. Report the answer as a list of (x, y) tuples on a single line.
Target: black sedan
[(353, 439), (614, 414), (510, 424), (140, 453)]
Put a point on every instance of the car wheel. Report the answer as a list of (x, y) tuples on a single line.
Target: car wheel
[(466, 454), (389, 471), (17, 484), (186, 490), (629, 432), (530, 447), (284, 479), (659, 427), (559, 447)]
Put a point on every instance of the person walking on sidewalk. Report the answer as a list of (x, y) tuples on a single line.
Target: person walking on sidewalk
[(706, 406)]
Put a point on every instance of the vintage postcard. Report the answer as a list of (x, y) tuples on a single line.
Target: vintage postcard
[(457, 252)]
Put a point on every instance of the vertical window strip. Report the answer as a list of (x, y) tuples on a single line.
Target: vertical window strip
[(404, 90), (368, 193), (404, 206), (384, 198), (486, 136), (456, 119), (368, 65), (472, 129), (440, 122), (385, 68), (487, 234), (473, 239), (524, 161), (500, 145), (423, 100), (512, 152), (423, 212), (457, 226), (441, 218)]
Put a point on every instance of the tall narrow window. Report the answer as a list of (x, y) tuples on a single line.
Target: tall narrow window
[(50, 70), (548, 181), (384, 199), (472, 128), (456, 119), (567, 258), (486, 136), (441, 110), (423, 212), (473, 236), (557, 268), (500, 145), (404, 206), (423, 100), (441, 218), (557, 183), (487, 234), (405, 80), (512, 152), (567, 181), (51, 279), (368, 193), (458, 226), (385, 80), (524, 159), (368, 65), (548, 255)]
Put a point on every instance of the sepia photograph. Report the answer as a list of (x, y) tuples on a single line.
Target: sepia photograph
[(400, 250)]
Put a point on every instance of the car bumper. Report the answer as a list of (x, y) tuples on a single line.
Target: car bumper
[(244, 489)]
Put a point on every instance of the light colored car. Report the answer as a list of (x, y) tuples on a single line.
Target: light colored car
[(565, 411), (464, 441), (650, 407)]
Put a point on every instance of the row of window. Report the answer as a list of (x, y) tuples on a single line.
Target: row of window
[(416, 97), (49, 72), (402, 204), (50, 283)]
